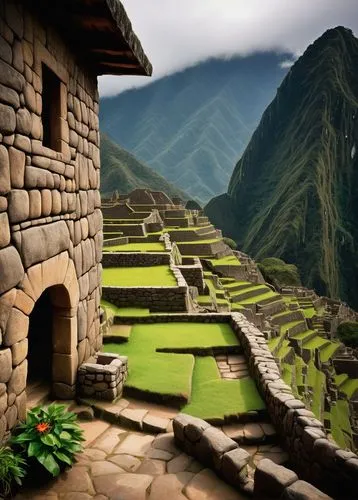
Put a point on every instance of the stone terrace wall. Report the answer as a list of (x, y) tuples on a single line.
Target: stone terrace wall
[(123, 259), (316, 459), (164, 298), (50, 217), (193, 274)]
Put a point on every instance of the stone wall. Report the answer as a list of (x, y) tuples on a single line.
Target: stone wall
[(213, 448), (156, 299), (315, 458), (141, 259), (193, 274), (50, 217)]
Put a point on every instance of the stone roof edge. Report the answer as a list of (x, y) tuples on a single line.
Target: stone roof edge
[(123, 23)]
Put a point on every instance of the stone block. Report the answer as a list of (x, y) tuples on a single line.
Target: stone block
[(65, 335), (35, 203), (19, 206), (63, 391), (16, 328), (9, 96), (46, 202), (23, 121), (64, 368), (9, 77), (11, 269), (271, 479), (234, 466), (212, 446), (194, 429), (17, 382), (7, 118), (5, 365), (19, 352), (20, 403), (17, 167), (300, 490), (5, 184), (11, 417), (4, 230), (3, 403), (41, 243)]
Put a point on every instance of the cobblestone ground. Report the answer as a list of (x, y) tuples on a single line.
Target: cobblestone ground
[(120, 464)]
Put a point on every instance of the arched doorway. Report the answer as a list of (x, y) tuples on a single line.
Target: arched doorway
[(52, 345)]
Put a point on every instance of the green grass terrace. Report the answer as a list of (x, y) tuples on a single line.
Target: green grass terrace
[(138, 276), (173, 362)]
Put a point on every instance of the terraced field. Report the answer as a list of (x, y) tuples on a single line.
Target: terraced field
[(292, 324)]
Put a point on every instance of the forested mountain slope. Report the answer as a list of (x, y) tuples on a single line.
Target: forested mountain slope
[(122, 172), (294, 192), (191, 127)]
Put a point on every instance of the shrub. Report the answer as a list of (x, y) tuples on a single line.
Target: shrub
[(193, 205), (51, 436), (12, 470), (348, 333), (229, 242), (278, 273)]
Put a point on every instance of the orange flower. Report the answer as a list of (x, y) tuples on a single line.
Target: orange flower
[(42, 427)]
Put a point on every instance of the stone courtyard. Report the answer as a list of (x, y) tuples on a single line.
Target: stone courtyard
[(122, 464)]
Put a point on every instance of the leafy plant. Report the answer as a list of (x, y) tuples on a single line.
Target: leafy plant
[(51, 435), (279, 273), (12, 470), (348, 333), (231, 243)]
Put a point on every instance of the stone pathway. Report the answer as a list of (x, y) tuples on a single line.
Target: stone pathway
[(118, 464), (232, 366), (138, 460)]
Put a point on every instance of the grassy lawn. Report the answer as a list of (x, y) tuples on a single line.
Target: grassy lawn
[(168, 373), (229, 260), (309, 313), (113, 310), (136, 247), (199, 242), (327, 352), (316, 381), (138, 276), (213, 397), (340, 424), (259, 298), (349, 387)]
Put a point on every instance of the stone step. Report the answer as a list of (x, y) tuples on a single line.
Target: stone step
[(251, 433)]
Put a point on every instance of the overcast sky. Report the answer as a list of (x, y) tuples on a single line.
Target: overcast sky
[(176, 34)]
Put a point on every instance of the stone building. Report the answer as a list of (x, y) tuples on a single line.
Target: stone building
[(50, 217)]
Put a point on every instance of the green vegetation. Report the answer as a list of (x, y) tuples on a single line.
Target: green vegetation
[(213, 397), (348, 333), (229, 260), (12, 470), (231, 243), (147, 366), (279, 273), (292, 194), (193, 137), (51, 436), (340, 424), (121, 169), (138, 276), (193, 205), (136, 247)]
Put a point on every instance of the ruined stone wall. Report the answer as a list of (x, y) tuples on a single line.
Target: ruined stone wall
[(156, 299), (50, 218), (124, 259)]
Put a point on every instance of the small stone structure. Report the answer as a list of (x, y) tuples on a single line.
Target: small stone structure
[(50, 207), (213, 448), (103, 379)]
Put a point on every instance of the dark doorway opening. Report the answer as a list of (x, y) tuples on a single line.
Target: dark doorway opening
[(40, 340)]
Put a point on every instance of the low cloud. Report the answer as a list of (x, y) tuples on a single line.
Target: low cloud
[(177, 34)]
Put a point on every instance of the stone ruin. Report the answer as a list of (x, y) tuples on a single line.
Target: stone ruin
[(50, 216)]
